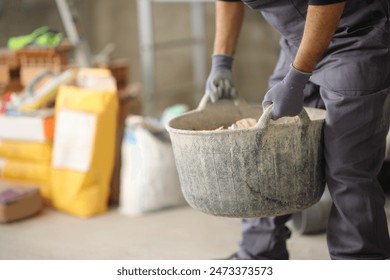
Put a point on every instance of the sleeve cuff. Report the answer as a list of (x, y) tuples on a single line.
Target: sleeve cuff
[(324, 2)]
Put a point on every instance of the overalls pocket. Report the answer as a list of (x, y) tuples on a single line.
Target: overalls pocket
[(359, 61)]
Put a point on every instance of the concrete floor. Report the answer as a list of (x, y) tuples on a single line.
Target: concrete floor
[(179, 233)]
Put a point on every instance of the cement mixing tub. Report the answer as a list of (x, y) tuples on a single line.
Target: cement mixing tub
[(273, 168)]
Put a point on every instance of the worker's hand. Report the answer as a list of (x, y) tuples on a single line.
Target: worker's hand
[(220, 81), (287, 95)]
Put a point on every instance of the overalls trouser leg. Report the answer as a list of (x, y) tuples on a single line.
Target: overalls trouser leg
[(353, 82)]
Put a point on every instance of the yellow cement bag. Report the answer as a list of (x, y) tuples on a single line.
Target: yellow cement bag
[(28, 151), (83, 150), (27, 172)]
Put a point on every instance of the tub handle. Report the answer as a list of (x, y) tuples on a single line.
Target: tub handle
[(266, 117), (205, 102)]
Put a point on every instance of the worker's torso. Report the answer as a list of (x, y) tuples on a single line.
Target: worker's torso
[(360, 47), (288, 16)]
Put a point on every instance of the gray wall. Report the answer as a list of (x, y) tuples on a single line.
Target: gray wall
[(104, 21)]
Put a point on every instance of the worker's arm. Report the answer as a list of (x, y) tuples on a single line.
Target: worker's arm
[(229, 17), (321, 23)]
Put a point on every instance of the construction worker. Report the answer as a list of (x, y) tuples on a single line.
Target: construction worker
[(334, 55)]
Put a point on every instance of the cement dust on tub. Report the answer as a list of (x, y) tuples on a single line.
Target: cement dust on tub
[(149, 179), (237, 169)]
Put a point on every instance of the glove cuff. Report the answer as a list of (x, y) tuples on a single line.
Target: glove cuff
[(222, 61), (296, 78)]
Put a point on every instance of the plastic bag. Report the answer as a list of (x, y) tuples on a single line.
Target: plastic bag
[(149, 179)]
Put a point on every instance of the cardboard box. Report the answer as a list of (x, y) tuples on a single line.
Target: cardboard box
[(18, 201), (120, 69), (37, 126), (8, 57), (9, 71)]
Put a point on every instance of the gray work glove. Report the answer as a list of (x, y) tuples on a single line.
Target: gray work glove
[(287, 95), (220, 81)]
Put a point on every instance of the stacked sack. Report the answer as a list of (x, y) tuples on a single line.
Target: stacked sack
[(73, 163), (26, 148), (84, 143)]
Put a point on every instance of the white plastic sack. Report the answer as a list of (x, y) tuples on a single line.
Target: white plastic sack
[(149, 178)]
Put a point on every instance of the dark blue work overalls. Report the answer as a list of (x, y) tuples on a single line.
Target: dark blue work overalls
[(352, 81)]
